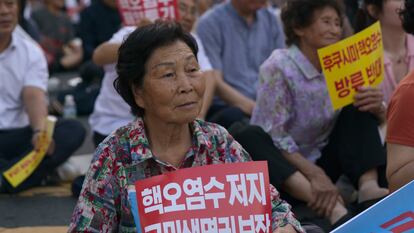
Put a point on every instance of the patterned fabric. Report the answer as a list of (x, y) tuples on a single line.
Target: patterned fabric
[(293, 104), (125, 157)]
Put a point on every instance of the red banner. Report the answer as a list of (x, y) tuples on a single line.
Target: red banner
[(133, 10), (216, 198)]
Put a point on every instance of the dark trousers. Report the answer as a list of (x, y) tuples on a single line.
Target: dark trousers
[(354, 148), (98, 138), (225, 115), (15, 144)]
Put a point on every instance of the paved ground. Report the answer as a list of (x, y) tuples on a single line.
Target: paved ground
[(33, 210), (36, 211), (42, 206), (48, 209)]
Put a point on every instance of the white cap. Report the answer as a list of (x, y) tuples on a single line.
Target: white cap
[(69, 99)]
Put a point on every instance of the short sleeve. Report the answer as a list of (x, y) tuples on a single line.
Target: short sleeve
[(400, 116), (273, 109), (36, 72), (122, 34), (203, 60)]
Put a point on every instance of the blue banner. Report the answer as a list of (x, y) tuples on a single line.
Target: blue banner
[(394, 214), (132, 197)]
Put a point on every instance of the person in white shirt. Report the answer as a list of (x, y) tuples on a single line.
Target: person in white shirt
[(23, 104), (110, 111)]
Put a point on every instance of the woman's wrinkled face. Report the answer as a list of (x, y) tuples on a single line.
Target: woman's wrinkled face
[(173, 85), (325, 30)]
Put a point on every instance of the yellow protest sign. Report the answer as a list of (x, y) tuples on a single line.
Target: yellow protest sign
[(26, 166), (351, 63)]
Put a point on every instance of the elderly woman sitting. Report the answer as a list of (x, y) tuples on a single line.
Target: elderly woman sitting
[(309, 145), (159, 77)]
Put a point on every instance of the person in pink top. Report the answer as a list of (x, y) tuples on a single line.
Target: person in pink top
[(398, 45)]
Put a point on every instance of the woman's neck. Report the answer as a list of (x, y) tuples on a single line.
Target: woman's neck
[(312, 55), (169, 142), (394, 40)]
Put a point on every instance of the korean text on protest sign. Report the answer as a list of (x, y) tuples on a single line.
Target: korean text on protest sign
[(132, 11), (23, 168), (216, 198), (352, 63)]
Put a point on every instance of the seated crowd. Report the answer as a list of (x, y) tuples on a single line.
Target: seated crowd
[(229, 81)]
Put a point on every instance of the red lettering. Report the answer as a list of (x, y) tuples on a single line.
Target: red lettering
[(402, 227)]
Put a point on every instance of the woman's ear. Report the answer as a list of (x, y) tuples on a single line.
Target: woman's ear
[(373, 11), (298, 31), (138, 96)]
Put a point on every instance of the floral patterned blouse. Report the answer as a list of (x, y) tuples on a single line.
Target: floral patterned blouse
[(293, 104), (125, 157)]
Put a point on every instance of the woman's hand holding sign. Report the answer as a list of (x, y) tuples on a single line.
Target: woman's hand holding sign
[(370, 99), (39, 139)]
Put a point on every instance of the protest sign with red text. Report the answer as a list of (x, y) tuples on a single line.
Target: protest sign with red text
[(132, 11), (215, 198), (357, 61)]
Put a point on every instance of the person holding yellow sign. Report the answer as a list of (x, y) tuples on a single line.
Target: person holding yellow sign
[(309, 145), (398, 45), (23, 110)]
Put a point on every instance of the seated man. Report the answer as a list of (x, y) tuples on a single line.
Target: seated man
[(57, 36), (238, 36), (23, 105), (98, 22)]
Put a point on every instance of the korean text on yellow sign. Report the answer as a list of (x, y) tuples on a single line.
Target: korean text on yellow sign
[(26, 166), (351, 63)]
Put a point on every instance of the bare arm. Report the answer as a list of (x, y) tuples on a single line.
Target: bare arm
[(324, 194), (302, 164), (34, 100), (106, 53), (233, 97), (400, 165)]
